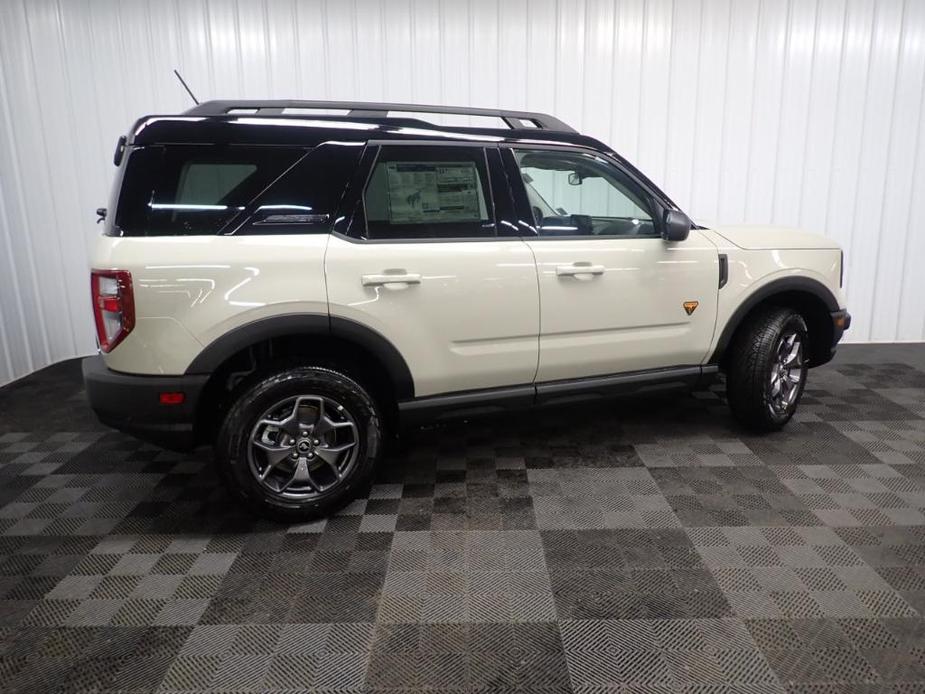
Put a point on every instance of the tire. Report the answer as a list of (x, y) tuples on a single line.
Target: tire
[(762, 395), (275, 428)]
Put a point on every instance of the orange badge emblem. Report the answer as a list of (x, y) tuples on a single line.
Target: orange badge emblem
[(690, 306)]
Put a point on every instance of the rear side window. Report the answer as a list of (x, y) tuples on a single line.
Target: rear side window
[(305, 199), (428, 192), (188, 190)]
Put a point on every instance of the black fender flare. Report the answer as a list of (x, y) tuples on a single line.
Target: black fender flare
[(232, 342), (806, 285)]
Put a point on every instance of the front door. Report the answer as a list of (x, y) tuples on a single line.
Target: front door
[(425, 263), (614, 296)]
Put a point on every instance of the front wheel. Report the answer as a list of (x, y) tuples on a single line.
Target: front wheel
[(299, 443), (767, 369)]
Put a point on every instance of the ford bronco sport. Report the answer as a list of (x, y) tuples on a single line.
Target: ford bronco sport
[(288, 284)]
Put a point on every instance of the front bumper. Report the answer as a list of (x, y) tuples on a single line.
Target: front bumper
[(841, 321), (131, 403)]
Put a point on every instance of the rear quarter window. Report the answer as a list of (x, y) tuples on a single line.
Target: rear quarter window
[(305, 199), (187, 190)]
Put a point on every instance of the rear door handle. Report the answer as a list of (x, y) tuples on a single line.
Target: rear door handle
[(388, 278), (579, 269)]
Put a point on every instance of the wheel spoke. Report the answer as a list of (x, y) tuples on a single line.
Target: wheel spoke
[(271, 422), (287, 423), (791, 397), (322, 426), (274, 454), (301, 473), (293, 425), (330, 454), (792, 352), (783, 347), (267, 470), (325, 425), (318, 402)]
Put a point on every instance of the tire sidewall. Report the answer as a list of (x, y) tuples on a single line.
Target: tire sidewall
[(256, 398)]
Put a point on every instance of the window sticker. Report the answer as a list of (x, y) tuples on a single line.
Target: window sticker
[(433, 192)]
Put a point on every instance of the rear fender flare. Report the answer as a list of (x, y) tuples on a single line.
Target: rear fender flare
[(232, 342)]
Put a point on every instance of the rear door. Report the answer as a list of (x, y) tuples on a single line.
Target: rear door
[(614, 296), (422, 257)]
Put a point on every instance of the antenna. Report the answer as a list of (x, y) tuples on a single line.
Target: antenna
[(186, 87)]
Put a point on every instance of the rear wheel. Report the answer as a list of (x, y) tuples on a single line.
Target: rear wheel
[(299, 443), (767, 369)]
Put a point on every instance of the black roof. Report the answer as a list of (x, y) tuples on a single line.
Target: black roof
[(268, 123)]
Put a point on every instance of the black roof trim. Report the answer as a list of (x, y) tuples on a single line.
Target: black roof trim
[(310, 131), (515, 120)]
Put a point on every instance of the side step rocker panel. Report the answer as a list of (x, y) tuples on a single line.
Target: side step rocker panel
[(481, 402)]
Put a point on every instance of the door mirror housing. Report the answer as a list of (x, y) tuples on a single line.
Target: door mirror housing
[(677, 226)]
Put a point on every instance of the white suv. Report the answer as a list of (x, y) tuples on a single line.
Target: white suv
[(290, 286)]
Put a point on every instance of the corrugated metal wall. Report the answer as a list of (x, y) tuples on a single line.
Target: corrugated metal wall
[(802, 112)]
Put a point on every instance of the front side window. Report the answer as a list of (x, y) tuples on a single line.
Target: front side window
[(428, 192), (578, 194)]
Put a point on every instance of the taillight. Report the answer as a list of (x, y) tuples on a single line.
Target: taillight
[(113, 306)]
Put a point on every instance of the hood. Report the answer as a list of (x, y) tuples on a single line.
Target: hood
[(760, 237)]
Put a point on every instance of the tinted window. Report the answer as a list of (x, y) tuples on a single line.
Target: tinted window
[(428, 192), (577, 194), (194, 190), (306, 197)]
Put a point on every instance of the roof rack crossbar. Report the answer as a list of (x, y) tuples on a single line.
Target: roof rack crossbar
[(358, 109)]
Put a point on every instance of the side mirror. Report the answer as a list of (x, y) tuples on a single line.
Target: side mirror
[(677, 226), (574, 178)]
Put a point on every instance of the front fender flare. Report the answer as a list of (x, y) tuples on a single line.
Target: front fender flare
[(805, 285)]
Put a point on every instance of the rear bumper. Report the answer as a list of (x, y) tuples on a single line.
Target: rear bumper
[(131, 403)]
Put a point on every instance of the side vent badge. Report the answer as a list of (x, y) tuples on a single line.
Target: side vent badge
[(690, 306)]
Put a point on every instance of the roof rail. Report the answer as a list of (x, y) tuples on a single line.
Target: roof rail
[(359, 109)]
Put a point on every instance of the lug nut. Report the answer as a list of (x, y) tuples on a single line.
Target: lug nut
[(315, 442), (311, 455)]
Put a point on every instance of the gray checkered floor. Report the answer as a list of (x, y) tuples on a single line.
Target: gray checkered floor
[(648, 545)]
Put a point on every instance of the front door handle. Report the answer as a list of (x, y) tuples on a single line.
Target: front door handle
[(576, 269), (391, 278)]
